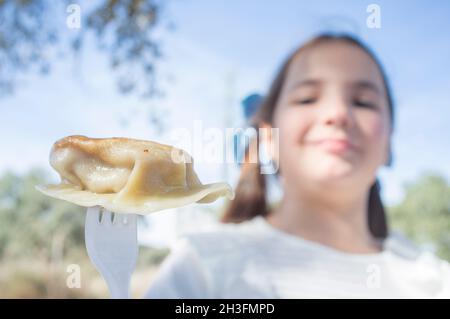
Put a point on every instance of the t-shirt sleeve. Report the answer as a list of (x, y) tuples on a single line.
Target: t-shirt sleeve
[(181, 275)]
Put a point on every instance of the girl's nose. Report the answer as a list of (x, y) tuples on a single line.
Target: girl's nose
[(337, 112)]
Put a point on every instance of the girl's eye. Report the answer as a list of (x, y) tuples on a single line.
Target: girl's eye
[(305, 101), (361, 103)]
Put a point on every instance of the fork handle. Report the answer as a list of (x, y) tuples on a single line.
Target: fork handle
[(118, 290)]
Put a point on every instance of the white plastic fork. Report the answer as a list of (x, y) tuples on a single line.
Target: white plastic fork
[(111, 242)]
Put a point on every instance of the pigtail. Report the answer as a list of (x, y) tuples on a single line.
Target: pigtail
[(250, 199), (376, 213)]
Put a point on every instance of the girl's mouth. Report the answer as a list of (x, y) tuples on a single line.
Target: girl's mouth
[(335, 146)]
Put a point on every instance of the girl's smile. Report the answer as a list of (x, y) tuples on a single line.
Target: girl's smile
[(336, 146)]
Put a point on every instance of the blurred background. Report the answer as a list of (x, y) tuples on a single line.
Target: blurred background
[(145, 69)]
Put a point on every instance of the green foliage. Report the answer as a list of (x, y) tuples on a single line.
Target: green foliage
[(424, 214), (151, 256), (32, 224)]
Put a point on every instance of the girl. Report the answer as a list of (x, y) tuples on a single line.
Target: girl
[(328, 237)]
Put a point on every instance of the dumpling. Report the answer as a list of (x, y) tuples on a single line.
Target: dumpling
[(127, 175)]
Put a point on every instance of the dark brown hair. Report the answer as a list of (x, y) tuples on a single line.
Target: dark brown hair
[(250, 198)]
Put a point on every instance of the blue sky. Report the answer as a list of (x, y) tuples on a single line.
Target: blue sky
[(243, 41)]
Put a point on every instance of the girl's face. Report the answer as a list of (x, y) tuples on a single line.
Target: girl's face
[(333, 118)]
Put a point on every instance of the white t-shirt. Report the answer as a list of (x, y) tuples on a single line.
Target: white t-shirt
[(253, 259)]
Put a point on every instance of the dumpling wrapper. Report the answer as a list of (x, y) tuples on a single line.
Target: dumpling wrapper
[(127, 175)]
